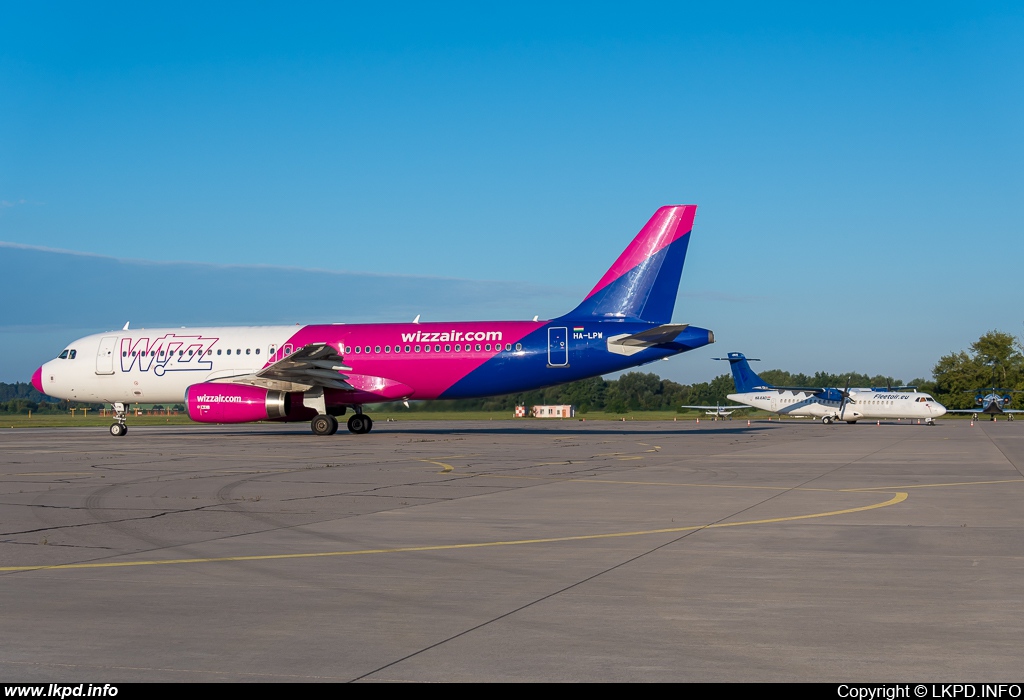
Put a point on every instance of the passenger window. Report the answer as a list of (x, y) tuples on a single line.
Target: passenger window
[(508, 346), (218, 352), (123, 354), (437, 348), (519, 347), (376, 349), (237, 352), (487, 347), (358, 349), (447, 348), (366, 349), (247, 351), (210, 352), (407, 348), (229, 351), (478, 347), (417, 348), (387, 349), (257, 351), (426, 348), (458, 348)]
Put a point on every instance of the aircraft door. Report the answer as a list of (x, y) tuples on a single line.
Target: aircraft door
[(558, 347), (105, 355), (775, 402)]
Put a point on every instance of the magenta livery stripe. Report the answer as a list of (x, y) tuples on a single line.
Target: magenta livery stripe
[(426, 380), (666, 226)]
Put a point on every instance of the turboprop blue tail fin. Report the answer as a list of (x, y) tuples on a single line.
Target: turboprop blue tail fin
[(743, 377)]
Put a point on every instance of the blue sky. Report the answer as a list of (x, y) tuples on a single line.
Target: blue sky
[(858, 167)]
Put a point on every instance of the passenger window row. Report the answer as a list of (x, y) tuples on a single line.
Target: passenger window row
[(181, 353)]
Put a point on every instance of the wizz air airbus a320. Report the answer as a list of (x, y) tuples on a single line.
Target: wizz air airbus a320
[(318, 372)]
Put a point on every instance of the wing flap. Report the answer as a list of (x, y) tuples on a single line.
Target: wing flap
[(317, 364)]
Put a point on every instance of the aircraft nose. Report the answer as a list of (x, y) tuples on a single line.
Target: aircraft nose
[(37, 380), (940, 409)]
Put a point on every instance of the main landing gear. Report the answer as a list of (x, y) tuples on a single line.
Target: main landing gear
[(827, 420), (360, 424), (119, 428), (325, 424)]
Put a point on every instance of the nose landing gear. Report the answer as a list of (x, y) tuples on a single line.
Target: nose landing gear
[(119, 428)]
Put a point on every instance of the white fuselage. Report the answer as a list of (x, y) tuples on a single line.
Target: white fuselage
[(157, 366), (863, 404)]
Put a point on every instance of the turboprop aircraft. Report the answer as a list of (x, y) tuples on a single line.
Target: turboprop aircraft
[(991, 403), (829, 403), (318, 372)]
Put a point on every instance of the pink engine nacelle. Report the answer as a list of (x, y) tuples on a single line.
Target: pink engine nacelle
[(234, 403)]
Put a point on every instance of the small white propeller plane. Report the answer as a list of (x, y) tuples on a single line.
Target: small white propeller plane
[(991, 403), (719, 411)]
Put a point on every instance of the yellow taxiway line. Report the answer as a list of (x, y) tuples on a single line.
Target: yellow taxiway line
[(897, 498)]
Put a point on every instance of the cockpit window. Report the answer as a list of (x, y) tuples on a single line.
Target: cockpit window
[(74, 353), (63, 355)]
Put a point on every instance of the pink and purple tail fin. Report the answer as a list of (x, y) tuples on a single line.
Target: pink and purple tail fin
[(643, 282)]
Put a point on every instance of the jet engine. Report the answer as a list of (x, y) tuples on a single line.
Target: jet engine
[(211, 402)]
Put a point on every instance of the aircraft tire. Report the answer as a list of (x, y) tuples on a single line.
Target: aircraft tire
[(974, 416), (367, 424), (827, 420), (357, 424), (118, 429), (323, 424)]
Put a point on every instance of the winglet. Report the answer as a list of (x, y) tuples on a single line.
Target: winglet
[(126, 327)]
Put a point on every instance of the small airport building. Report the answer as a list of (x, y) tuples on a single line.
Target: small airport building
[(553, 411)]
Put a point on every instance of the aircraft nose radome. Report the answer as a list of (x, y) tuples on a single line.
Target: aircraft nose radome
[(37, 380)]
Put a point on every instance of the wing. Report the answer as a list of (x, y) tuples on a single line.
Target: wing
[(797, 389), (317, 364), (718, 408)]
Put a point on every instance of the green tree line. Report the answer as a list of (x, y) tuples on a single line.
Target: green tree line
[(22, 398)]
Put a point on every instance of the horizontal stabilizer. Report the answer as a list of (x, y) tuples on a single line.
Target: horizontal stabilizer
[(632, 344), (654, 336)]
